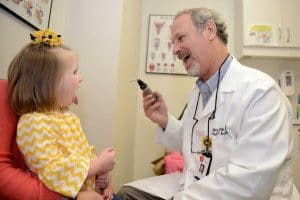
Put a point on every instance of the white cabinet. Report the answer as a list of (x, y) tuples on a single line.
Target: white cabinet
[(291, 26), (267, 28)]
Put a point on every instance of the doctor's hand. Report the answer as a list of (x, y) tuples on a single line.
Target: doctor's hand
[(155, 109)]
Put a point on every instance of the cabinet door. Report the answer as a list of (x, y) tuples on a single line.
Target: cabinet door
[(262, 22), (291, 23)]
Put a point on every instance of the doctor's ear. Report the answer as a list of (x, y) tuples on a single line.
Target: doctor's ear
[(211, 28)]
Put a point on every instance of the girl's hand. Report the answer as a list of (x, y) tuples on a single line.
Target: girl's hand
[(107, 160), (103, 180), (108, 193)]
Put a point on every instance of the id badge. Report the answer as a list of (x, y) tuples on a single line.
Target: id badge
[(205, 159)]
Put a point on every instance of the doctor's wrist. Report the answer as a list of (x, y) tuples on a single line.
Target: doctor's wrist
[(163, 124)]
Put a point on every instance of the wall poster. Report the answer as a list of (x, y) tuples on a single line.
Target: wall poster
[(159, 57), (35, 13)]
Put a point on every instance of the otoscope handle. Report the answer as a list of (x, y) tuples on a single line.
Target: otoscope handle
[(145, 88)]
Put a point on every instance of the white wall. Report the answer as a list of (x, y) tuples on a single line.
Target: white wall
[(126, 108), (14, 33), (93, 29), (174, 88)]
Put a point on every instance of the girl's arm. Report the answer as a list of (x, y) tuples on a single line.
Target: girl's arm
[(103, 163)]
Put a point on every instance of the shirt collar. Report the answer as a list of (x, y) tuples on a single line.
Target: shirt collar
[(213, 81)]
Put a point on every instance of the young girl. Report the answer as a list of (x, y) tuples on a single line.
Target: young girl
[(43, 80)]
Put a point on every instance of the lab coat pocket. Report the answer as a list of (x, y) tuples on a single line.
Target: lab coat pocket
[(223, 143)]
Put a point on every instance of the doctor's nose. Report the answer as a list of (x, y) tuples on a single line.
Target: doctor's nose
[(175, 49)]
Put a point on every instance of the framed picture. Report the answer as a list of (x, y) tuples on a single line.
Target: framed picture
[(159, 57), (35, 13)]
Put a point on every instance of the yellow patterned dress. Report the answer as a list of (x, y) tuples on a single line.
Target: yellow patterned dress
[(55, 148)]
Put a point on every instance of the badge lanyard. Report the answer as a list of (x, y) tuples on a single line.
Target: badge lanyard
[(206, 155)]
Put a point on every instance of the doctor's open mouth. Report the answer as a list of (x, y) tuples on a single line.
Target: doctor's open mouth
[(184, 56)]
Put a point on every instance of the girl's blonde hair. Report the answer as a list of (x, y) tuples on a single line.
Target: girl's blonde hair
[(35, 77)]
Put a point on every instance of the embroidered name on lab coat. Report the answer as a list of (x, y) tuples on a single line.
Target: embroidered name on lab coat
[(220, 131)]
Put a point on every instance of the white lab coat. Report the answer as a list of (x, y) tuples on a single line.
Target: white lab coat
[(252, 161)]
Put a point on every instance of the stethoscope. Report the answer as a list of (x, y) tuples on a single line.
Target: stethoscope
[(207, 152)]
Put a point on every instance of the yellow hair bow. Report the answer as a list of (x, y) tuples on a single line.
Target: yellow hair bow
[(46, 37)]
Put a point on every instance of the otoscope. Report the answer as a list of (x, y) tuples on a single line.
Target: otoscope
[(145, 88)]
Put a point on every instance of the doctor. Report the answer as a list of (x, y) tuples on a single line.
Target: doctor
[(235, 134)]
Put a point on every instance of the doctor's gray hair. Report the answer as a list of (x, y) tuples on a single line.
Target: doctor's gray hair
[(200, 16)]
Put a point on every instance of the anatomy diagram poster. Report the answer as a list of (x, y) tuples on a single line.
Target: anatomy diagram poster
[(159, 51)]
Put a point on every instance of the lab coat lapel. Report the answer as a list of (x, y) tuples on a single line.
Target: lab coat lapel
[(210, 106), (226, 86)]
